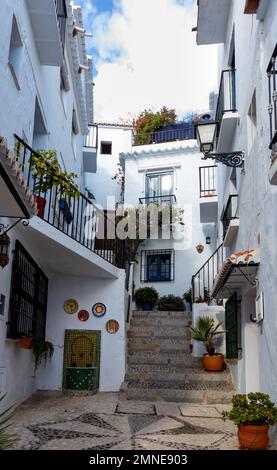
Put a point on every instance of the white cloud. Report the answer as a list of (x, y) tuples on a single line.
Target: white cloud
[(148, 58)]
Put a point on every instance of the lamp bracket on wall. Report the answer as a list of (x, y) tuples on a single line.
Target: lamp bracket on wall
[(4, 229), (232, 159), (253, 282)]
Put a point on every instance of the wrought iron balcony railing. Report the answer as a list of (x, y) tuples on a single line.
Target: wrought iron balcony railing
[(68, 210), (91, 140), (203, 280), (230, 213), (226, 96), (207, 181), (272, 93), (160, 136), (158, 200)]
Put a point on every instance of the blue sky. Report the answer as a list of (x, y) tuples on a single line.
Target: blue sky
[(145, 56)]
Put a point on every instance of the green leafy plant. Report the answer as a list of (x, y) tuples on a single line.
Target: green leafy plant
[(188, 296), (42, 350), (148, 122), (171, 303), (204, 299), (146, 295), (205, 331), (254, 408), (6, 439)]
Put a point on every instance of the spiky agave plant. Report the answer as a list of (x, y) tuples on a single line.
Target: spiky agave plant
[(6, 439), (205, 330)]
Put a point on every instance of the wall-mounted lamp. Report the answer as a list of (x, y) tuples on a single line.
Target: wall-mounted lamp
[(83, 67), (208, 240), (78, 30), (4, 250)]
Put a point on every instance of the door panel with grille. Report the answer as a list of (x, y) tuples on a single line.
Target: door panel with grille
[(232, 327)]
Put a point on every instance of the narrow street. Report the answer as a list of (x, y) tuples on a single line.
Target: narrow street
[(103, 422)]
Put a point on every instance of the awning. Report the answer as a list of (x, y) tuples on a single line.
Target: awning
[(237, 270), (16, 199)]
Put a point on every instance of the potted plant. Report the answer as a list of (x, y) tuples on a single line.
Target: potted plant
[(188, 298), (25, 342), (206, 330), (171, 303), (146, 298), (42, 350), (253, 414)]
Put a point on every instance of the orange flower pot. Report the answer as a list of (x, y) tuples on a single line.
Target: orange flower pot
[(254, 437), (213, 363), (25, 342)]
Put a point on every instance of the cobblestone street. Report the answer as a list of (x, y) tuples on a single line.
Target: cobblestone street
[(55, 421)]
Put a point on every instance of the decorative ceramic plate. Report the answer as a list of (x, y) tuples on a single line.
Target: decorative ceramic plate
[(70, 306), (99, 310), (83, 315), (112, 326)]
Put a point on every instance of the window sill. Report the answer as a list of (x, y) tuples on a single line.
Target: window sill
[(11, 67)]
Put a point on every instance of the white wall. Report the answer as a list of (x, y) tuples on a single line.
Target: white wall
[(101, 183), (185, 159), (87, 292)]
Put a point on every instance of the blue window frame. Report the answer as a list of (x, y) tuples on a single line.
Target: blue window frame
[(158, 267)]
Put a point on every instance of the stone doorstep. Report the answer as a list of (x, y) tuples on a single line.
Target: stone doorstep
[(159, 314), (163, 358), (169, 332), (162, 322), (187, 396), (178, 376)]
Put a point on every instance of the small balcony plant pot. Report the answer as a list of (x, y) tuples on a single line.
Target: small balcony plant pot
[(253, 437), (41, 202), (25, 342), (213, 363)]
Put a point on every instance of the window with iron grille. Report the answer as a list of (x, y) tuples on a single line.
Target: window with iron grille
[(272, 93), (157, 265), (28, 300)]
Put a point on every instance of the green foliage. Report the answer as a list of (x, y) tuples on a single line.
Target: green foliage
[(254, 408), (6, 439), (42, 350), (146, 295), (188, 296), (171, 303), (148, 122), (205, 331)]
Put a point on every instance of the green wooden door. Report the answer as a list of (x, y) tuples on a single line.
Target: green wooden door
[(232, 327)]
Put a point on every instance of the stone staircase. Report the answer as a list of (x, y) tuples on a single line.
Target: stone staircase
[(160, 365)]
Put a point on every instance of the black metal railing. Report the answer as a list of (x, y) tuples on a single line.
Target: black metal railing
[(230, 213), (61, 18), (226, 96), (272, 93), (202, 282), (91, 140), (160, 136), (207, 181), (67, 209), (158, 200)]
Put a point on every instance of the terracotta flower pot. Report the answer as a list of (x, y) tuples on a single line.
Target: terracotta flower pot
[(25, 342), (254, 437), (213, 363)]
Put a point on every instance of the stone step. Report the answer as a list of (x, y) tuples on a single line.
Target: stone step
[(160, 322), (166, 374), (159, 345), (185, 396), (164, 358), (158, 314), (159, 332)]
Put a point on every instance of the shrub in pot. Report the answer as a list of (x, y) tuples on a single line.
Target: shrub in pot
[(146, 298), (188, 297), (42, 350), (206, 330), (253, 414), (25, 342), (171, 303)]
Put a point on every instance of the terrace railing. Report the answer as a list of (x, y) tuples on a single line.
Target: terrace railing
[(207, 181), (203, 280), (160, 136), (230, 213), (226, 96)]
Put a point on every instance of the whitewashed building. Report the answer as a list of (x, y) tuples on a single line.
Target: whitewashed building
[(246, 113), (46, 99), (169, 172)]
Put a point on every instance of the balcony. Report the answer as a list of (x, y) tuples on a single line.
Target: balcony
[(208, 194), (158, 200), (170, 133), (230, 220), (67, 210), (90, 150), (48, 18), (226, 110)]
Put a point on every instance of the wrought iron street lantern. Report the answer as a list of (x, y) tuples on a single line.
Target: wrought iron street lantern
[(208, 240), (206, 136), (4, 250)]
